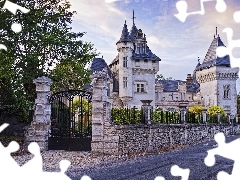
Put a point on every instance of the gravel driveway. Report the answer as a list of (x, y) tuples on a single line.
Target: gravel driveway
[(144, 168)]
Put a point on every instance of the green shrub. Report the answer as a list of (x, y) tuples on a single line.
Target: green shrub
[(164, 117), (126, 116)]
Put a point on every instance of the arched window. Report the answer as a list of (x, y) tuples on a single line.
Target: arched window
[(226, 91)]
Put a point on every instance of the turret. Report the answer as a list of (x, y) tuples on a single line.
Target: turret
[(125, 48)]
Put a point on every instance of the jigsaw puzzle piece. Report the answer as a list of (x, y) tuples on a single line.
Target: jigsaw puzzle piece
[(177, 171), (88, 178), (10, 165), (227, 150), (222, 149), (223, 176), (3, 126), (157, 178), (221, 6), (182, 7), (33, 166), (223, 51), (236, 16), (182, 11)]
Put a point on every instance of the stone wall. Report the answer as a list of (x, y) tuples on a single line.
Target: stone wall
[(111, 139), (150, 138)]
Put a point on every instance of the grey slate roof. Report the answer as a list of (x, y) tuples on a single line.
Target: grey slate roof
[(148, 56), (211, 58), (172, 85), (133, 31), (125, 37), (98, 64)]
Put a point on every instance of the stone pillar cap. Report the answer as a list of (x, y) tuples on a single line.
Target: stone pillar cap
[(42, 79), (146, 102)]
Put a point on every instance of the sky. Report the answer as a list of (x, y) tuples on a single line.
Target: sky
[(178, 44)]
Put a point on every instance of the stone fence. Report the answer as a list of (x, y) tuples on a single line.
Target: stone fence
[(119, 139), (152, 138), (129, 139)]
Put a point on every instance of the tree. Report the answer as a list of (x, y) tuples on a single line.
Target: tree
[(70, 75), (161, 77), (46, 40), (214, 110), (196, 109)]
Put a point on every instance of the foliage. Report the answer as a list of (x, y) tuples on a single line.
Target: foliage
[(161, 77), (46, 41), (213, 110), (196, 109), (126, 115), (71, 75), (84, 105), (163, 117)]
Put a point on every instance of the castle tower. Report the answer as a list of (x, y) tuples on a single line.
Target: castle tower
[(134, 68), (217, 79), (125, 48)]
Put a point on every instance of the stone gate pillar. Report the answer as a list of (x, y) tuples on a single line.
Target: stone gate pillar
[(40, 126), (104, 139)]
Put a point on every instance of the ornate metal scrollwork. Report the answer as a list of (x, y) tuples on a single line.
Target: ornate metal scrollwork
[(70, 94)]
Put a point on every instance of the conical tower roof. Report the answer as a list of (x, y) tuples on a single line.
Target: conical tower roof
[(211, 58), (133, 31), (125, 37)]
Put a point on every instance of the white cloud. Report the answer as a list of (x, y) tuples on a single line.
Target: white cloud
[(153, 40), (110, 1)]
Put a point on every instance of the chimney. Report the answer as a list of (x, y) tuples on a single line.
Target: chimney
[(189, 80)]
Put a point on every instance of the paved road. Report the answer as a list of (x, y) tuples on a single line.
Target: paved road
[(147, 168)]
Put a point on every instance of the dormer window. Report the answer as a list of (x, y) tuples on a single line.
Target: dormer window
[(139, 48)]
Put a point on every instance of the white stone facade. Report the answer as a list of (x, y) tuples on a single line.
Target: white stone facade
[(218, 87), (214, 84)]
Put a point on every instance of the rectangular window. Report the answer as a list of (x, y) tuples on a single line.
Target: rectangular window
[(124, 82), (145, 61), (140, 88), (137, 62), (153, 61), (124, 61)]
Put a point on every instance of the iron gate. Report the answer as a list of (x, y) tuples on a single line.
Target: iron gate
[(71, 127)]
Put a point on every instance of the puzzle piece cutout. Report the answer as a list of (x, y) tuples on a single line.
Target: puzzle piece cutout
[(33, 168), (228, 150), (13, 8), (223, 51), (182, 8), (177, 171)]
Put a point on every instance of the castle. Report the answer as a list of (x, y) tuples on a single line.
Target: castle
[(133, 77)]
